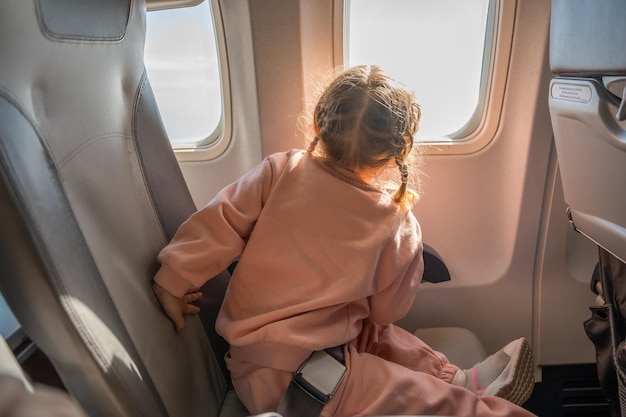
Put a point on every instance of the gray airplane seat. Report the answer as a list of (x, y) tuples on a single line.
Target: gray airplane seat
[(18, 397), (90, 191), (586, 52), (587, 102)]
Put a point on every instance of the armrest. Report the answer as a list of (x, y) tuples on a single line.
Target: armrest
[(435, 270), (10, 367)]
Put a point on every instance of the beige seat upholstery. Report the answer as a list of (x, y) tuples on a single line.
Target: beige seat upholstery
[(587, 54), (19, 398), (10, 368), (588, 112), (90, 191)]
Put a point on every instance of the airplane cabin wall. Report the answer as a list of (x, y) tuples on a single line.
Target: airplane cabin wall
[(486, 214), (496, 216)]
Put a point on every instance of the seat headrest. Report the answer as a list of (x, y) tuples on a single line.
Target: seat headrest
[(90, 20), (588, 37)]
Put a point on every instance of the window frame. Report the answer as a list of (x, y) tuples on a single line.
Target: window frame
[(219, 140), (485, 120), (170, 4)]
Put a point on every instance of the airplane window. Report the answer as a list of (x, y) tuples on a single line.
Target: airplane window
[(439, 49), (183, 67), (9, 326)]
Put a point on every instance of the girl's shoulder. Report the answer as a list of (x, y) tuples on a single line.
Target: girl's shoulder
[(292, 157)]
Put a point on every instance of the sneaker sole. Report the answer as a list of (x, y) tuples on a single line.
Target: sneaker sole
[(518, 379)]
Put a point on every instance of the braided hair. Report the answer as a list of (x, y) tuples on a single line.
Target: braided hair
[(363, 120)]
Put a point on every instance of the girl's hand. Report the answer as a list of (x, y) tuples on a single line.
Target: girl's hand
[(175, 307)]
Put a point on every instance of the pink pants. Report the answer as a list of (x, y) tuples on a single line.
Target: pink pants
[(390, 371)]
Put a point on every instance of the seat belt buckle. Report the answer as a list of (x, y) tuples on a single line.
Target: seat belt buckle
[(320, 375)]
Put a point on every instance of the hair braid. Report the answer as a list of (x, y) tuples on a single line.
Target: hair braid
[(401, 194), (364, 119), (313, 144)]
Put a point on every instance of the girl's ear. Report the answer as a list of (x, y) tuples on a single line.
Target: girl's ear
[(316, 130)]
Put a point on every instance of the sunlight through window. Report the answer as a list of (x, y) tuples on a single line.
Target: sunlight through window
[(438, 49), (183, 67)]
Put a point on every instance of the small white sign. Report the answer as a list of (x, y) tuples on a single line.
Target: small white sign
[(571, 92)]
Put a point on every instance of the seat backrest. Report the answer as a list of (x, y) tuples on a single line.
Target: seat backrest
[(587, 44), (90, 191)]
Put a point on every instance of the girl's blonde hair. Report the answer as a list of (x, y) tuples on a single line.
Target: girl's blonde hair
[(364, 119)]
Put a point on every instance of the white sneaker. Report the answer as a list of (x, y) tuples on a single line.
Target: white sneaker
[(507, 373), (517, 380)]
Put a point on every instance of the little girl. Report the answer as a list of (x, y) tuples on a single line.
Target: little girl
[(329, 257)]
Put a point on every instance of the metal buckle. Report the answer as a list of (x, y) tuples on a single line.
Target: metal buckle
[(320, 375)]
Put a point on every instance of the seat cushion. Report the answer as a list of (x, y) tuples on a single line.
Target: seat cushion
[(461, 346)]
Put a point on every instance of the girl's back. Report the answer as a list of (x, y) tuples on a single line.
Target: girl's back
[(326, 251)]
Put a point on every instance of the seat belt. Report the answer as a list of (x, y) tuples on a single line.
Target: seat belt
[(314, 384)]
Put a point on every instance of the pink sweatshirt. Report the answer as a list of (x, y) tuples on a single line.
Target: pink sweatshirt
[(320, 250)]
